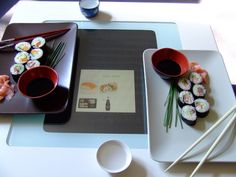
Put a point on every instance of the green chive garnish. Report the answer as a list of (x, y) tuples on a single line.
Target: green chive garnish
[(56, 55), (172, 110)]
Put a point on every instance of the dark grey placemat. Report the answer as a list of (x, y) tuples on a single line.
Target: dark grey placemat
[(109, 50)]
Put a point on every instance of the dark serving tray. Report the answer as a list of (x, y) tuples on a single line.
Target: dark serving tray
[(105, 49), (57, 102)]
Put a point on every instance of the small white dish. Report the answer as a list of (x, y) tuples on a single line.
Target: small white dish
[(114, 156)]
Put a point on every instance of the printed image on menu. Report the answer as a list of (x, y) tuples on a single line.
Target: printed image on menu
[(106, 91)]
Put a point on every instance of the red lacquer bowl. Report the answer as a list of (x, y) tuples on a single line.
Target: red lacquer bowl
[(170, 63), (38, 82)]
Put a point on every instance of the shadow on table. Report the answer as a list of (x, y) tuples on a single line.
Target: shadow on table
[(162, 1), (106, 17), (208, 169), (135, 169), (234, 88)]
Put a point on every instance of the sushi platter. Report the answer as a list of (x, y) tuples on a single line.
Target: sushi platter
[(167, 146), (27, 45)]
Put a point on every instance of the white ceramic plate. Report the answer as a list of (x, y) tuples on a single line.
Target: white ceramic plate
[(114, 156), (166, 147)]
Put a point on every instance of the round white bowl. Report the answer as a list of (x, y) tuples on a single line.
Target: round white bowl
[(114, 156)]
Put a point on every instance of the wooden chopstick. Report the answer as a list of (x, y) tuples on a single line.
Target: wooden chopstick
[(230, 123), (202, 137), (35, 35), (10, 42)]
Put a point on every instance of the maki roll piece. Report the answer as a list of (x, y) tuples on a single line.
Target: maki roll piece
[(22, 57), (23, 46), (16, 70), (202, 107), (189, 115), (195, 78), (183, 84), (185, 98), (36, 54), (38, 42), (199, 91), (31, 64)]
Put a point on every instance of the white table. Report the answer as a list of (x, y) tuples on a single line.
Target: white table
[(74, 162)]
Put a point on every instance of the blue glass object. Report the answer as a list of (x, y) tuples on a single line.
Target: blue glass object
[(89, 8)]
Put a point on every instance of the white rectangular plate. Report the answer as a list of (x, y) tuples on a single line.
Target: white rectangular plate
[(167, 146)]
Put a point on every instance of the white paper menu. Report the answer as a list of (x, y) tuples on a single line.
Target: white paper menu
[(106, 91)]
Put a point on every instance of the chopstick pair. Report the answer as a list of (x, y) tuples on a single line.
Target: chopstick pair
[(231, 121), (12, 41)]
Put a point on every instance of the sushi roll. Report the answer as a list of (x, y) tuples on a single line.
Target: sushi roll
[(195, 78), (31, 64), (23, 46), (38, 42), (22, 57), (183, 84), (199, 91), (189, 115), (185, 98), (202, 107), (16, 70), (36, 54)]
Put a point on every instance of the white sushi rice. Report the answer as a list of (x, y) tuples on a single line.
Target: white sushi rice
[(17, 69), (36, 54), (22, 57), (186, 97), (201, 105), (189, 113), (23, 46), (199, 90), (195, 78), (184, 84), (38, 42), (32, 63)]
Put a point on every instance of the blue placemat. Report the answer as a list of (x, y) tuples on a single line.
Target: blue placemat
[(27, 130)]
